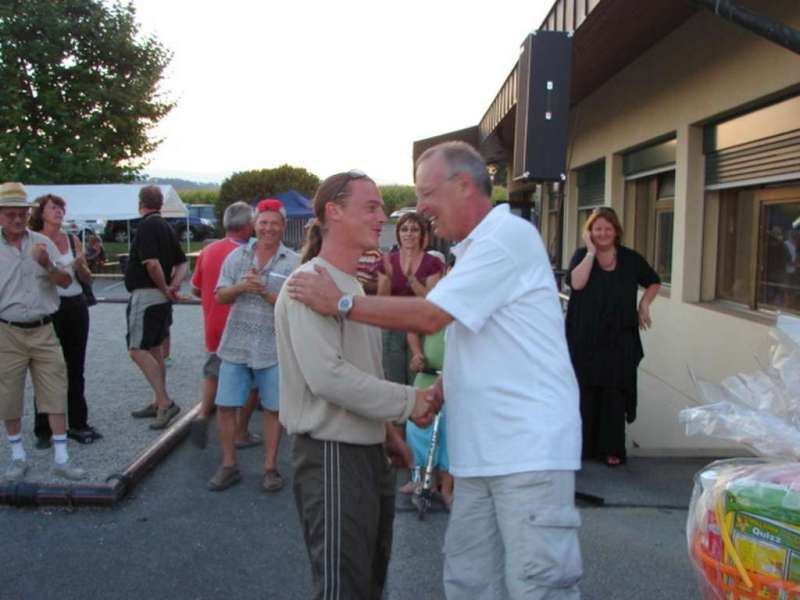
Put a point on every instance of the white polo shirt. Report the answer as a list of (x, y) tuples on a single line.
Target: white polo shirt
[(511, 393)]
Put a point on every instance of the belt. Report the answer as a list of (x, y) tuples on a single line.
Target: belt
[(29, 324)]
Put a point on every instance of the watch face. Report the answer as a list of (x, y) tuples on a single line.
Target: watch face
[(345, 304)]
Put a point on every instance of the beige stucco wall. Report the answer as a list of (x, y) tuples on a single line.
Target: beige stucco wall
[(703, 69)]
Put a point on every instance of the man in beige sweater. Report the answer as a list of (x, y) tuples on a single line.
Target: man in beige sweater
[(337, 407)]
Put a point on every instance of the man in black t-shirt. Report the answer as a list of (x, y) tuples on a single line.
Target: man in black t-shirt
[(155, 256)]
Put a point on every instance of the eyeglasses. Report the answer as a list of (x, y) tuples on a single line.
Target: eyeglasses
[(351, 175)]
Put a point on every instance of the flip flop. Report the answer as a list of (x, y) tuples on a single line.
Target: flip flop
[(252, 441)]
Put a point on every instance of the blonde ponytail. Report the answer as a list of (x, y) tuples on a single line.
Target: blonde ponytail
[(313, 242)]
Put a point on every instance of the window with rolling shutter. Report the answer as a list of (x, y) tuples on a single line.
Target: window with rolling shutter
[(591, 185), (762, 146)]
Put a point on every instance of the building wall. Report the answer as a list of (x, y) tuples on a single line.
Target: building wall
[(704, 69)]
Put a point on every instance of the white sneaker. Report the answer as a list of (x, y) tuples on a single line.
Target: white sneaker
[(16, 472), (67, 471)]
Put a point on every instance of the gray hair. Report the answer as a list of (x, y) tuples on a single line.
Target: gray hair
[(460, 157), (237, 215)]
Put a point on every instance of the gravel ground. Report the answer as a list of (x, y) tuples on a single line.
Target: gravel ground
[(170, 538), (114, 387)]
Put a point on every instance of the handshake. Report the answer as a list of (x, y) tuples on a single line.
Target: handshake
[(428, 402)]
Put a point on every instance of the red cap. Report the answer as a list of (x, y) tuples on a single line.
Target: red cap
[(272, 204)]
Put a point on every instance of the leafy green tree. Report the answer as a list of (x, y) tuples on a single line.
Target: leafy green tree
[(199, 196), (499, 193), (79, 91), (397, 196), (262, 183), (203, 196)]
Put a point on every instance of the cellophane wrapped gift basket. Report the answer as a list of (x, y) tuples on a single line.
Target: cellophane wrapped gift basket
[(743, 529)]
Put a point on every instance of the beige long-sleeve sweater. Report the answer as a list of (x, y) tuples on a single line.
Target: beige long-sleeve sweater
[(331, 376)]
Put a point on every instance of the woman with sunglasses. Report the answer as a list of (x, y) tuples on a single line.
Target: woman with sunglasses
[(407, 271), (71, 321), (603, 323)]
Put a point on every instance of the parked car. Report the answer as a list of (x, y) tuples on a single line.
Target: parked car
[(199, 229), (83, 229), (205, 211), (401, 211)]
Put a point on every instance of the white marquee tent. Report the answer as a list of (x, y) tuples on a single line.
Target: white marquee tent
[(107, 201)]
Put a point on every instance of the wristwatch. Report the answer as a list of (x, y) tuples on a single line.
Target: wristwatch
[(345, 305), (52, 267)]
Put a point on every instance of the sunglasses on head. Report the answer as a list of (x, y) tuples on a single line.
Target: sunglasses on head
[(351, 175)]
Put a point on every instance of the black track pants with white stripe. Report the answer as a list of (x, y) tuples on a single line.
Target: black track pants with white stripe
[(345, 500)]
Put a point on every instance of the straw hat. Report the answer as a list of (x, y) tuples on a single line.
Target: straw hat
[(13, 195)]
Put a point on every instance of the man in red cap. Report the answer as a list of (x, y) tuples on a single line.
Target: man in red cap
[(251, 277)]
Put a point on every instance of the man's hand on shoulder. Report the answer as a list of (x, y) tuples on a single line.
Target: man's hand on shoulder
[(316, 290)]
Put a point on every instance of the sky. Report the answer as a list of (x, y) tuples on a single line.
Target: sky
[(328, 86)]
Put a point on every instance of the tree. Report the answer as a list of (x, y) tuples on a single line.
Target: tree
[(262, 183), (79, 91), (203, 196), (199, 196), (397, 196), (499, 194)]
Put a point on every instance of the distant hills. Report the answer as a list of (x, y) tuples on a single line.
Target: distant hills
[(182, 184)]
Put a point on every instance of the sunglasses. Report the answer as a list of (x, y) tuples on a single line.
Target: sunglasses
[(351, 175)]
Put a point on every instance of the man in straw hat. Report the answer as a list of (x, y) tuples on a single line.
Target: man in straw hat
[(29, 275)]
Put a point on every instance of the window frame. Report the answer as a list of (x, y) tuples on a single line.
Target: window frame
[(641, 230), (763, 197)]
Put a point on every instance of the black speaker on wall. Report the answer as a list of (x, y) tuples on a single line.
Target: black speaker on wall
[(541, 127)]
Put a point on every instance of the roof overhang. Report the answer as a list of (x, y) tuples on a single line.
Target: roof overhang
[(468, 135), (611, 36)]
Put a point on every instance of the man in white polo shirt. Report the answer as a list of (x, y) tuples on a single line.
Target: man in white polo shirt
[(513, 420)]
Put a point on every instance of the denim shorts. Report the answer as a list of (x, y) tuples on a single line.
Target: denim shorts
[(236, 381)]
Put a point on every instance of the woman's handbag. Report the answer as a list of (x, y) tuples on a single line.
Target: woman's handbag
[(88, 292)]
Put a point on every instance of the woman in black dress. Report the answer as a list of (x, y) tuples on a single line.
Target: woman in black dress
[(603, 323)]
